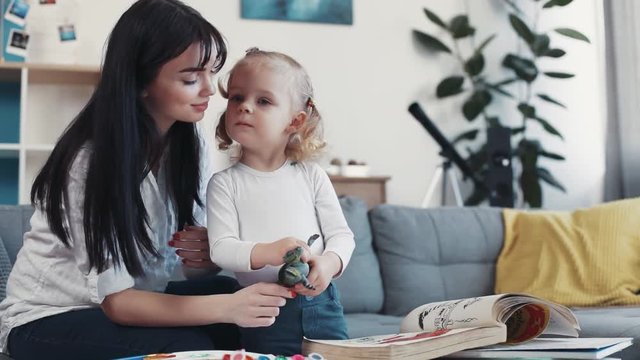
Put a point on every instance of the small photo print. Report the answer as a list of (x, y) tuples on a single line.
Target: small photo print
[(67, 32), (17, 44), (46, 2), (17, 12)]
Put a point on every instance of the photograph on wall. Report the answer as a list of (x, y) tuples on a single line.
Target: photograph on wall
[(318, 11), (67, 32), (17, 12), (17, 44)]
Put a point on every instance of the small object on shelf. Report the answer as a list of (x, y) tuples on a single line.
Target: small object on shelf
[(335, 167), (355, 169)]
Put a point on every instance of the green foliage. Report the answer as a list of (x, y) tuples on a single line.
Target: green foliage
[(523, 70)]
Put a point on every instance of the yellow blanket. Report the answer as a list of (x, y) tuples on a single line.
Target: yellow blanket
[(588, 257)]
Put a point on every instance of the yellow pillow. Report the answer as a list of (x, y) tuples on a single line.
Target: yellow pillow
[(588, 257)]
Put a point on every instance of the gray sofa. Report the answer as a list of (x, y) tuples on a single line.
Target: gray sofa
[(404, 257)]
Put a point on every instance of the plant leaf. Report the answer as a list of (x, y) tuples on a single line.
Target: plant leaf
[(474, 65), (548, 127), (505, 82), (553, 3), (529, 179), (493, 121), (546, 176), (430, 42), (513, 6), (450, 86), (525, 69), (467, 135), (554, 53), (434, 18), (551, 100), (499, 90), (515, 131), (540, 44), (558, 75), (485, 43), (531, 189), (475, 104), (521, 28), (574, 34), (527, 110), (550, 155), (460, 28)]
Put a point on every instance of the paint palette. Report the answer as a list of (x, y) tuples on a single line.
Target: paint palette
[(222, 355)]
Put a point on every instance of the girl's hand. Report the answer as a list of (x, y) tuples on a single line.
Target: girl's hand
[(273, 253), (323, 268), (257, 305), (192, 246)]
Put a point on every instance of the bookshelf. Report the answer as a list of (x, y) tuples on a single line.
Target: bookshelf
[(37, 102)]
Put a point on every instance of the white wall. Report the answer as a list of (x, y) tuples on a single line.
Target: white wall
[(367, 74)]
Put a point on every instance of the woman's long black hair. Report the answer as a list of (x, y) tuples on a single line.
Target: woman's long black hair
[(124, 140)]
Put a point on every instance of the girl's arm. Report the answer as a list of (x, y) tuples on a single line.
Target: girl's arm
[(254, 306), (338, 237), (225, 248)]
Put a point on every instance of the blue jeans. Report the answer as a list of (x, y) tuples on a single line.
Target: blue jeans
[(320, 317), (89, 334)]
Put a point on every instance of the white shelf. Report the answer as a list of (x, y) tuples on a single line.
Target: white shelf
[(5, 146), (50, 98)]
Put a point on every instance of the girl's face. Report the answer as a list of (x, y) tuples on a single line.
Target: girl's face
[(181, 90), (260, 113)]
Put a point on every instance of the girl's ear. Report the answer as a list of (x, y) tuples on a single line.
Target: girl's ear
[(297, 122)]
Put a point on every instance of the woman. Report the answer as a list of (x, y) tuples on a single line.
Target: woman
[(126, 174)]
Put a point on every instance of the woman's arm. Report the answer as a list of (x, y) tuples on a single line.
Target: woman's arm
[(254, 306)]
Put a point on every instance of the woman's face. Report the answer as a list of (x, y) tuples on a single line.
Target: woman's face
[(181, 90)]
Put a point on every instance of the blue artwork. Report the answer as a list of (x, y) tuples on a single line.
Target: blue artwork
[(320, 11)]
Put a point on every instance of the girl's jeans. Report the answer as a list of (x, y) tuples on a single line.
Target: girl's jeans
[(320, 317), (89, 334)]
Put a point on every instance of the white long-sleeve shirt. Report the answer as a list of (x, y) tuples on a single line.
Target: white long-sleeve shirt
[(246, 207), (48, 278)]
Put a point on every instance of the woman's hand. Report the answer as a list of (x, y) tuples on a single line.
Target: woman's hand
[(257, 305), (322, 269), (192, 246)]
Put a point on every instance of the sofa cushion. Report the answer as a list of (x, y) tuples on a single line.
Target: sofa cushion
[(360, 284), (587, 257), (14, 222), (5, 269), (436, 254), (359, 324)]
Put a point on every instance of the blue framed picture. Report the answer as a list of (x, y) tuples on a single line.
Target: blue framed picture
[(318, 11)]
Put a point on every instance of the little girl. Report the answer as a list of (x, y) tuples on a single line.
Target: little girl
[(272, 199)]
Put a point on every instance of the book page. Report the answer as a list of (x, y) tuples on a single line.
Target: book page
[(393, 339), (562, 321), (453, 314)]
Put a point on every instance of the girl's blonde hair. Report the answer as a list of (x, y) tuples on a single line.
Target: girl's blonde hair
[(307, 142)]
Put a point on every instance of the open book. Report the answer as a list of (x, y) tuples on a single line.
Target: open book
[(442, 328)]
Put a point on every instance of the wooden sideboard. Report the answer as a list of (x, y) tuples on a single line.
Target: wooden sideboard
[(372, 189)]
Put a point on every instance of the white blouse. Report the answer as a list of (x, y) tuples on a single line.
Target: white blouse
[(49, 278)]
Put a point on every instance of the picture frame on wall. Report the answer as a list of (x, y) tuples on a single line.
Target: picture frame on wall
[(17, 12), (67, 32), (317, 11), (17, 43)]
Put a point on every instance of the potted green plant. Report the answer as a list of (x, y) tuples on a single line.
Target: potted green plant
[(522, 68)]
